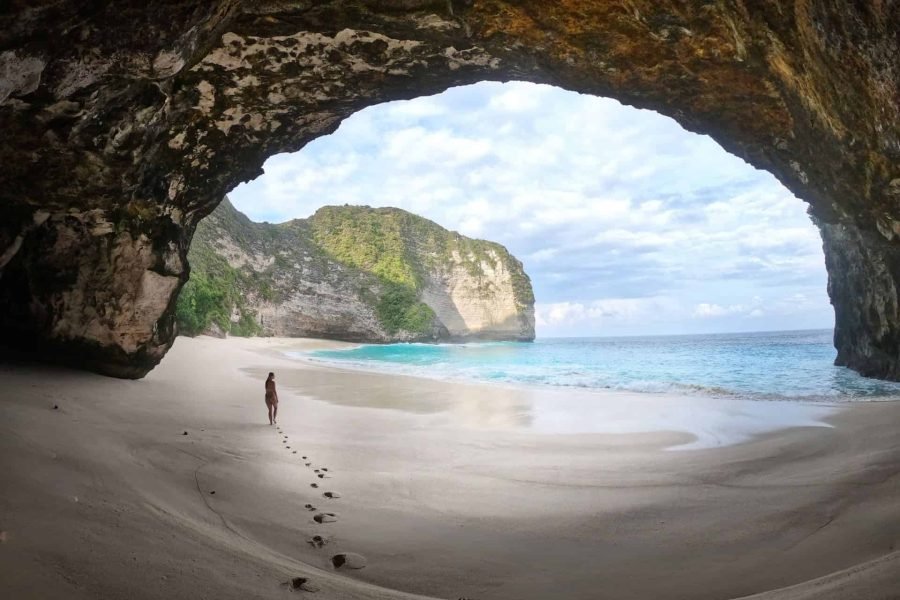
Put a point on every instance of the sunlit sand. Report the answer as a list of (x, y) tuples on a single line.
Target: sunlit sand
[(377, 486)]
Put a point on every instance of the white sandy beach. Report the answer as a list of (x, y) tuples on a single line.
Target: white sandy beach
[(448, 490)]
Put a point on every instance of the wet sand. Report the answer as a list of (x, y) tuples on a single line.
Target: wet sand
[(440, 489)]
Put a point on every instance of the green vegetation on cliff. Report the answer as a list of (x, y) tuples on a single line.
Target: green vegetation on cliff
[(212, 294), (372, 240), (377, 241), (399, 248)]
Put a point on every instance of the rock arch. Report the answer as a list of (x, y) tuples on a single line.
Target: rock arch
[(125, 123)]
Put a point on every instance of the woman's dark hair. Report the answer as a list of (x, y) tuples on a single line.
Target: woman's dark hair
[(271, 374)]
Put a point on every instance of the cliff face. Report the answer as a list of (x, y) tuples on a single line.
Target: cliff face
[(352, 273), (486, 297), (125, 123)]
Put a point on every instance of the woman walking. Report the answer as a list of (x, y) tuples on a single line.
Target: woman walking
[(272, 399)]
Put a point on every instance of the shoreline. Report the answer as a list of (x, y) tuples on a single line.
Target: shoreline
[(588, 411), (106, 497), (393, 369)]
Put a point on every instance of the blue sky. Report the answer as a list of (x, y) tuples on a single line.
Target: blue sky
[(626, 223)]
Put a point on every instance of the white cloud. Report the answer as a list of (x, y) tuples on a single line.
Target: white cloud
[(417, 145), (598, 311), (704, 310), (415, 109), (518, 98)]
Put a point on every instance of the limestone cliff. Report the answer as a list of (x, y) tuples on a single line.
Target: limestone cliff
[(125, 123), (352, 273)]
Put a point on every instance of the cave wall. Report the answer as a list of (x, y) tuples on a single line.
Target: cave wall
[(125, 123)]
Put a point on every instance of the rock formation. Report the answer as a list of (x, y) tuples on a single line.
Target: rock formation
[(352, 273), (126, 123)]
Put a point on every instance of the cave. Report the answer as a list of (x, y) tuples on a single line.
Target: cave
[(126, 124)]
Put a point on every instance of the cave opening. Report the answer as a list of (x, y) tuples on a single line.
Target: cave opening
[(627, 223)]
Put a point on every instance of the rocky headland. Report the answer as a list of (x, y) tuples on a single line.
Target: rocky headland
[(352, 273)]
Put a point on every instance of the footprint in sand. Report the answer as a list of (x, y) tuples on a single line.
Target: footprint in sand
[(348, 560), (307, 464), (316, 470), (332, 495), (294, 452), (304, 458), (314, 485), (321, 475), (317, 541), (325, 518), (304, 584), (309, 507)]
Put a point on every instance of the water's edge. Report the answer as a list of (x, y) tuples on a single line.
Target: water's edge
[(787, 366)]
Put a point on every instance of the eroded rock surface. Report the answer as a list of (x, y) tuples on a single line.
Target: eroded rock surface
[(125, 123)]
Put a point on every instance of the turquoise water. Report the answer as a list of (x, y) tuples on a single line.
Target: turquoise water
[(793, 365)]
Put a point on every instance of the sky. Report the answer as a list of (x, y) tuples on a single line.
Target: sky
[(626, 223)]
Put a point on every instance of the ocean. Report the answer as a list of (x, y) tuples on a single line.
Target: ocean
[(783, 365)]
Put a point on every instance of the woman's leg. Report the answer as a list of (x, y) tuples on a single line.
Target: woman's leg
[(275, 416), (269, 406)]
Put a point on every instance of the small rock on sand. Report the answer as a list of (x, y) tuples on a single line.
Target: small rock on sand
[(348, 560)]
